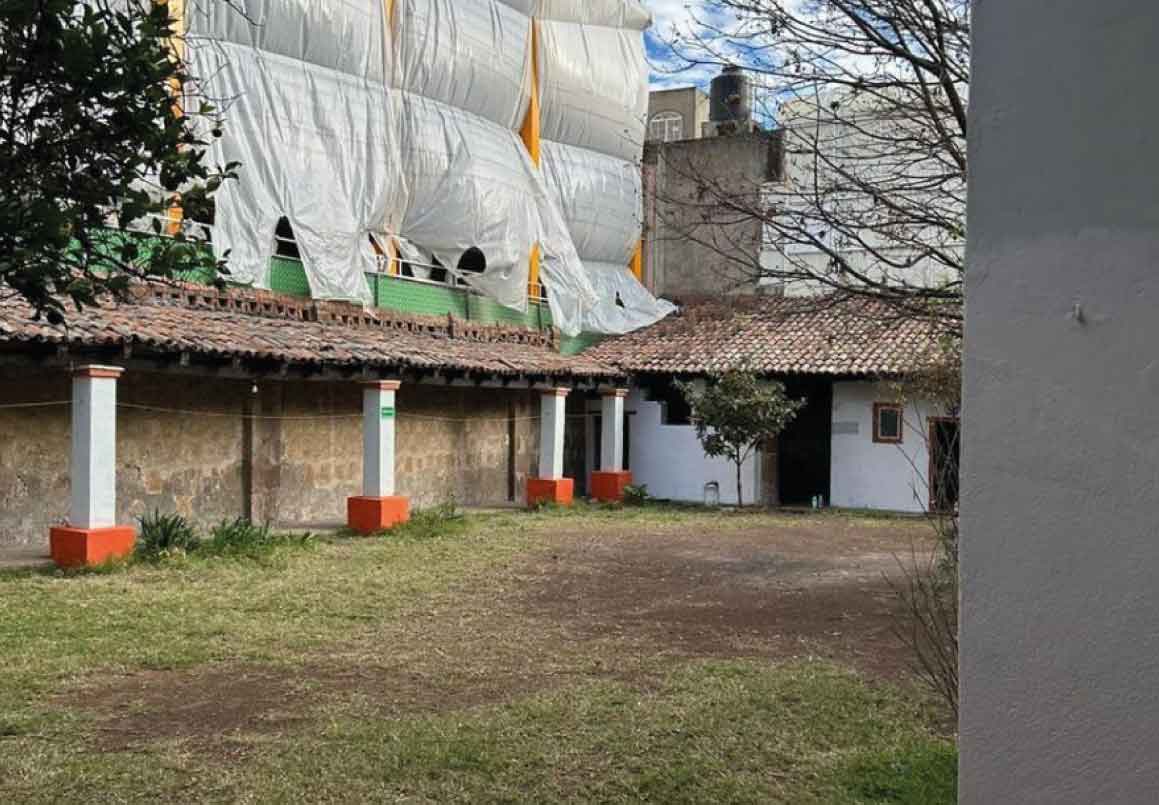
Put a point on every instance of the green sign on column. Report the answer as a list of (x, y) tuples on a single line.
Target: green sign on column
[(388, 412)]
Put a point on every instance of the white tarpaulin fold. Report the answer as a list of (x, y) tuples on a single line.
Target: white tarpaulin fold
[(469, 187), (625, 305), (474, 56), (600, 198), (344, 35), (316, 146), (593, 88), (611, 13)]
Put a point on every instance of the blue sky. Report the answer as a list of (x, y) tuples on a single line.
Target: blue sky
[(671, 17)]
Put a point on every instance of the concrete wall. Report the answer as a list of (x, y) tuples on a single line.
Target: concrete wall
[(289, 453), (868, 475), (669, 460), (693, 246), (1060, 555)]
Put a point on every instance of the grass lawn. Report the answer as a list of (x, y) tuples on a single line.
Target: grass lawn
[(641, 655)]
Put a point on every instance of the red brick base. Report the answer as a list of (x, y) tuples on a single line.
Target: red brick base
[(608, 487), (560, 491), (77, 547), (371, 515)]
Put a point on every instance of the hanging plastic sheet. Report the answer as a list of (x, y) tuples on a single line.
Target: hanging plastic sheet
[(344, 35), (610, 13), (474, 56), (316, 146), (527, 7), (593, 88), (471, 186), (600, 198), (625, 305)]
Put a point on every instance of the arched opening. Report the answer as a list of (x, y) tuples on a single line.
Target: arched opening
[(473, 261), (666, 127), (284, 243)]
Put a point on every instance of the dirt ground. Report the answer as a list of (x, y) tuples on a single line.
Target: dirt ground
[(622, 603)]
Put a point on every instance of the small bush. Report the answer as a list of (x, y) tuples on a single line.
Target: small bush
[(431, 523), (163, 535), (243, 538), (636, 495)]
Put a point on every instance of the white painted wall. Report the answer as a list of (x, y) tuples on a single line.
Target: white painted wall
[(867, 475), (669, 460)]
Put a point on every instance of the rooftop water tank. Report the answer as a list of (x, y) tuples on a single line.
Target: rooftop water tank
[(730, 99)]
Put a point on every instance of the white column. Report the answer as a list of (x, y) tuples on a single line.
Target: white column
[(378, 426), (94, 446), (612, 430), (553, 412)]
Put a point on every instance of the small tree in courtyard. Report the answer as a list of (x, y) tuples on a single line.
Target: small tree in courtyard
[(735, 413)]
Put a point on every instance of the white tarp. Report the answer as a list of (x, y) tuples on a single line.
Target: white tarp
[(593, 88), (344, 35), (611, 13), (625, 305), (600, 199), (470, 186), (316, 146), (475, 56)]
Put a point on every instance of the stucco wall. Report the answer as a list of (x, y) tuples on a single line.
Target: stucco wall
[(1060, 555), (695, 247), (184, 444), (867, 475), (669, 460)]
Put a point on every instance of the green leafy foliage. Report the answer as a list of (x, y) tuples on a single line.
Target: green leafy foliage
[(90, 138), (734, 413), (163, 535), (636, 495), (244, 539), (434, 522)]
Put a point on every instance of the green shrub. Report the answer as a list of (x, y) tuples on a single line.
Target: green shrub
[(243, 538), (636, 495), (431, 523), (162, 535)]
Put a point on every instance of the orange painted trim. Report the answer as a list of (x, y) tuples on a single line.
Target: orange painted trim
[(608, 487), (81, 547), (110, 372), (560, 491), (373, 515), (559, 391), (614, 393), (636, 266), (530, 133), (384, 385)]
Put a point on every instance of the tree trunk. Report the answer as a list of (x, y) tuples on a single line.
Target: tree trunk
[(739, 497)]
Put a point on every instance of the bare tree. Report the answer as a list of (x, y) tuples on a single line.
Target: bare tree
[(870, 97)]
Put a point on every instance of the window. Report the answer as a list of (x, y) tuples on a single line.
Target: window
[(675, 409), (666, 127), (284, 243), (887, 428)]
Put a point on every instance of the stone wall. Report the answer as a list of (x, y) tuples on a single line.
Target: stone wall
[(287, 452)]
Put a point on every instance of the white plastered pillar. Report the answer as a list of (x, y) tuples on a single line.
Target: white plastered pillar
[(378, 436), (94, 447), (612, 430), (553, 418)]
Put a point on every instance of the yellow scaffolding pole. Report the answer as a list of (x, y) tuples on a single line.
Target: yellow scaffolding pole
[(176, 46), (530, 134)]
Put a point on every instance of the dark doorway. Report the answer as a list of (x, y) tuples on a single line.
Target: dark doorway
[(804, 448), (945, 451)]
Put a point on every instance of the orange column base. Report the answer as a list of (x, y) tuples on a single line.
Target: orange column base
[(80, 547), (560, 491), (608, 487), (372, 515)]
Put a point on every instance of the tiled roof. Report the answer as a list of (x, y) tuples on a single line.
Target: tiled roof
[(258, 325), (777, 335)]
